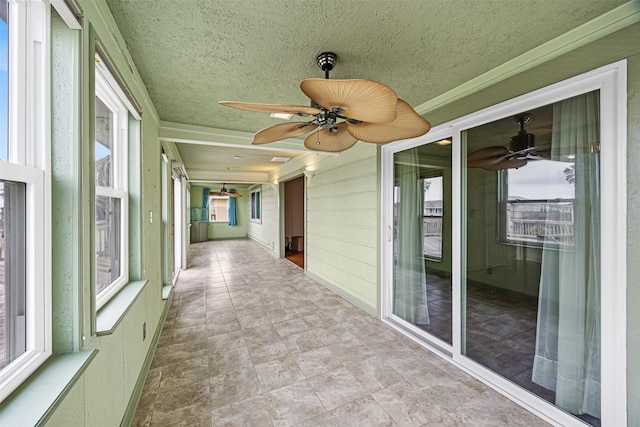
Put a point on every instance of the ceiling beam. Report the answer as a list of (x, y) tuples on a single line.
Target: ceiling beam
[(239, 177), (190, 134)]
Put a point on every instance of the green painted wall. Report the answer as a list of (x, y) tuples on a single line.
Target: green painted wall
[(341, 220), (265, 232)]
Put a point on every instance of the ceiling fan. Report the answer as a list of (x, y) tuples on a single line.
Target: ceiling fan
[(223, 192), (342, 112), (521, 149)]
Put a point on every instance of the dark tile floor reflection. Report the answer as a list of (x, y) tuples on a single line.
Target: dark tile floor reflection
[(250, 340), (501, 330)]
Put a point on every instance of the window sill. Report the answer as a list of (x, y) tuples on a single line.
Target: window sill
[(166, 291), (110, 315), (35, 400)]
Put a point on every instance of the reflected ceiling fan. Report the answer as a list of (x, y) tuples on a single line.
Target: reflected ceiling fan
[(342, 112), (521, 149), (223, 192)]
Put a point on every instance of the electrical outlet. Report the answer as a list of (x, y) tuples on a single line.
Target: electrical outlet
[(144, 331)]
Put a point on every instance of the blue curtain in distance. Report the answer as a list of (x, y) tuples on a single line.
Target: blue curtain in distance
[(233, 210), (205, 204)]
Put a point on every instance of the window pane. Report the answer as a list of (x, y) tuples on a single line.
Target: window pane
[(4, 79), (531, 303), (219, 209), (12, 271), (432, 219), (104, 145), (540, 202), (107, 241), (255, 205), (422, 238)]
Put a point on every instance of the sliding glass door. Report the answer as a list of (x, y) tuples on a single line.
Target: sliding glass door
[(495, 250), (532, 289), (422, 238)]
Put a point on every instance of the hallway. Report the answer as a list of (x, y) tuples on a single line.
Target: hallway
[(249, 340)]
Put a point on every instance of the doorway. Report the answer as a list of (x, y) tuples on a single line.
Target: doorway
[(294, 220)]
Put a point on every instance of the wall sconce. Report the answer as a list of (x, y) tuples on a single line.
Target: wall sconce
[(309, 174)]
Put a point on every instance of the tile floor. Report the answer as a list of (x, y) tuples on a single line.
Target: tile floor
[(250, 340), (501, 328)]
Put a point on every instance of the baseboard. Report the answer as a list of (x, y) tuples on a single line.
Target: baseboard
[(371, 310), (130, 412)]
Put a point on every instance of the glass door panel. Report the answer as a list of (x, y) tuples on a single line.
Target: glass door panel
[(422, 238), (531, 300)]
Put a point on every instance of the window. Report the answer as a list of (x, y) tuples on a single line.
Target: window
[(255, 205), (25, 307), (111, 197), (219, 208)]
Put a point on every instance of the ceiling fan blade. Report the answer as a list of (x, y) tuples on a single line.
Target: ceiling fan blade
[(324, 140), (282, 131), (272, 108), (227, 193), (408, 124), (505, 164), (359, 99), (487, 156), (215, 193)]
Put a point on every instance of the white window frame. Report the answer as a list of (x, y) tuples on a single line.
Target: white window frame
[(611, 81), (256, 195), (109, 96), (28, 162)]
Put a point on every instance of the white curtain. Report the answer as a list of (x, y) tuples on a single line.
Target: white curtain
[(567, 358), (410, 283)]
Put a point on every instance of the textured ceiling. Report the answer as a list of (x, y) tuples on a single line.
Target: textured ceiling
[(192, 54)]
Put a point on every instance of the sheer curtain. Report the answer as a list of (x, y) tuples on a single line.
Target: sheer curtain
[(567, 358), (410, 287)]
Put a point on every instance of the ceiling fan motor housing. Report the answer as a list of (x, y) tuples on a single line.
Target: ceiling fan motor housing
[(522, 141), (326, 60)]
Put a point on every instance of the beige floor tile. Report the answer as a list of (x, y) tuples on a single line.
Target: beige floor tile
[(278, 373), (250, 340), (407, 405), (293, 404), (363, 412)]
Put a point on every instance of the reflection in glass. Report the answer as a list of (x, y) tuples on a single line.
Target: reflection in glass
[(107, 241), (532, 297), (422, 238), (13, 336), (104, 145), (432, 216)]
